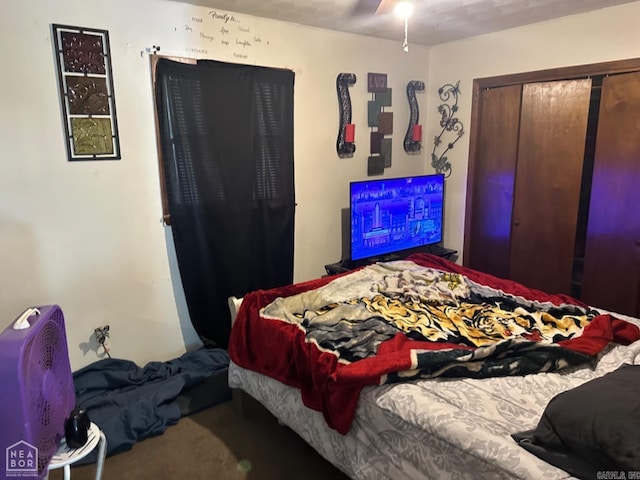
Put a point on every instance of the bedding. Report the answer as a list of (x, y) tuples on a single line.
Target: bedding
[(406, 321), (130, 403), (435, 428), (593, 427)]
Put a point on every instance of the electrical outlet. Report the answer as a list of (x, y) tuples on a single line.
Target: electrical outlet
[(102, 333)]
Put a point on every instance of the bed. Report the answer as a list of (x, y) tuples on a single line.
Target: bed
[(422, 368)]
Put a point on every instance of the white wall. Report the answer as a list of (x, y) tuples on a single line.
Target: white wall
[(599, 36), (88, 235)]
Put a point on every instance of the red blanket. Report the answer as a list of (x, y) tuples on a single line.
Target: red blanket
[(420, 324)]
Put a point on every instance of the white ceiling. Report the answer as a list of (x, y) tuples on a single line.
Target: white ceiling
[(433, 21)]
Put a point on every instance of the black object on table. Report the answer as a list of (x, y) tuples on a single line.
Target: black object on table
[(344, 266)]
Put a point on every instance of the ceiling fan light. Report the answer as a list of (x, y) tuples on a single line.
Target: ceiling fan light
[(403, 9)]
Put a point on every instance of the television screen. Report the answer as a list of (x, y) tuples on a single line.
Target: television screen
[(391, 215)]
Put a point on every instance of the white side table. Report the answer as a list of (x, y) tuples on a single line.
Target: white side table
[(66, 456)]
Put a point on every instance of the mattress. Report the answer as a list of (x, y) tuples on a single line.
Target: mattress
[(384, 404), (437, 428)]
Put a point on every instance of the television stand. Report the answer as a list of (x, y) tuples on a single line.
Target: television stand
[(344, 266)]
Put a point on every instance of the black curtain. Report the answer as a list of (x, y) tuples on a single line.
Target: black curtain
[(226, 134)]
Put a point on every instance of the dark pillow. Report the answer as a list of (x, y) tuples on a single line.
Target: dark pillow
[(597, 423)]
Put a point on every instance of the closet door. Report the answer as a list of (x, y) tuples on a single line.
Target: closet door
[(611, 277), (489, 230), (553, 125)]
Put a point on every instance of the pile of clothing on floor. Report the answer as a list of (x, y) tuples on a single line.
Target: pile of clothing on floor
[(130, 403)]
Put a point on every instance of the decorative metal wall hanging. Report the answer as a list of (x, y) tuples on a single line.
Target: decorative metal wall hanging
[(86, 92), (381, 121), (346, 131), (450, 124), (413, 137)]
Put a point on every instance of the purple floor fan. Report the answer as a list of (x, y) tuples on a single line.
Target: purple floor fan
[(36, 391)]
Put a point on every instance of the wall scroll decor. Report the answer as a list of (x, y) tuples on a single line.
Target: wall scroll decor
[(413, 137), (450, 124), (86, 93), (346, 131), (380, 147)]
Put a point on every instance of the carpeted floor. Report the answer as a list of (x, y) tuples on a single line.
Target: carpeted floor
[(217, 443)]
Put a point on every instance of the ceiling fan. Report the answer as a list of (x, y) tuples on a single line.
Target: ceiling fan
[(402, 8), (377, 7)]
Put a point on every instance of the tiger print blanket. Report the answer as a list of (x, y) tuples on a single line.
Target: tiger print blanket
[(403, 320)]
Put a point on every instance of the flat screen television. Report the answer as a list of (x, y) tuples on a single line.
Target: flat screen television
[(392, 215)]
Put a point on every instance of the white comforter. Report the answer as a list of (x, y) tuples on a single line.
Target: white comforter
[(435, 429)]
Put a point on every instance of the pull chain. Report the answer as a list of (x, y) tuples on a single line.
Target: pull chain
[(405, 45)]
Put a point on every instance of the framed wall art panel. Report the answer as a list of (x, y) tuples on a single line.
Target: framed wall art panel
[(85, 82)]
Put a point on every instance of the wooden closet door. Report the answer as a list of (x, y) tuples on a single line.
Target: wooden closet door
[(489, 229), (553, 125), (611, 277)]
